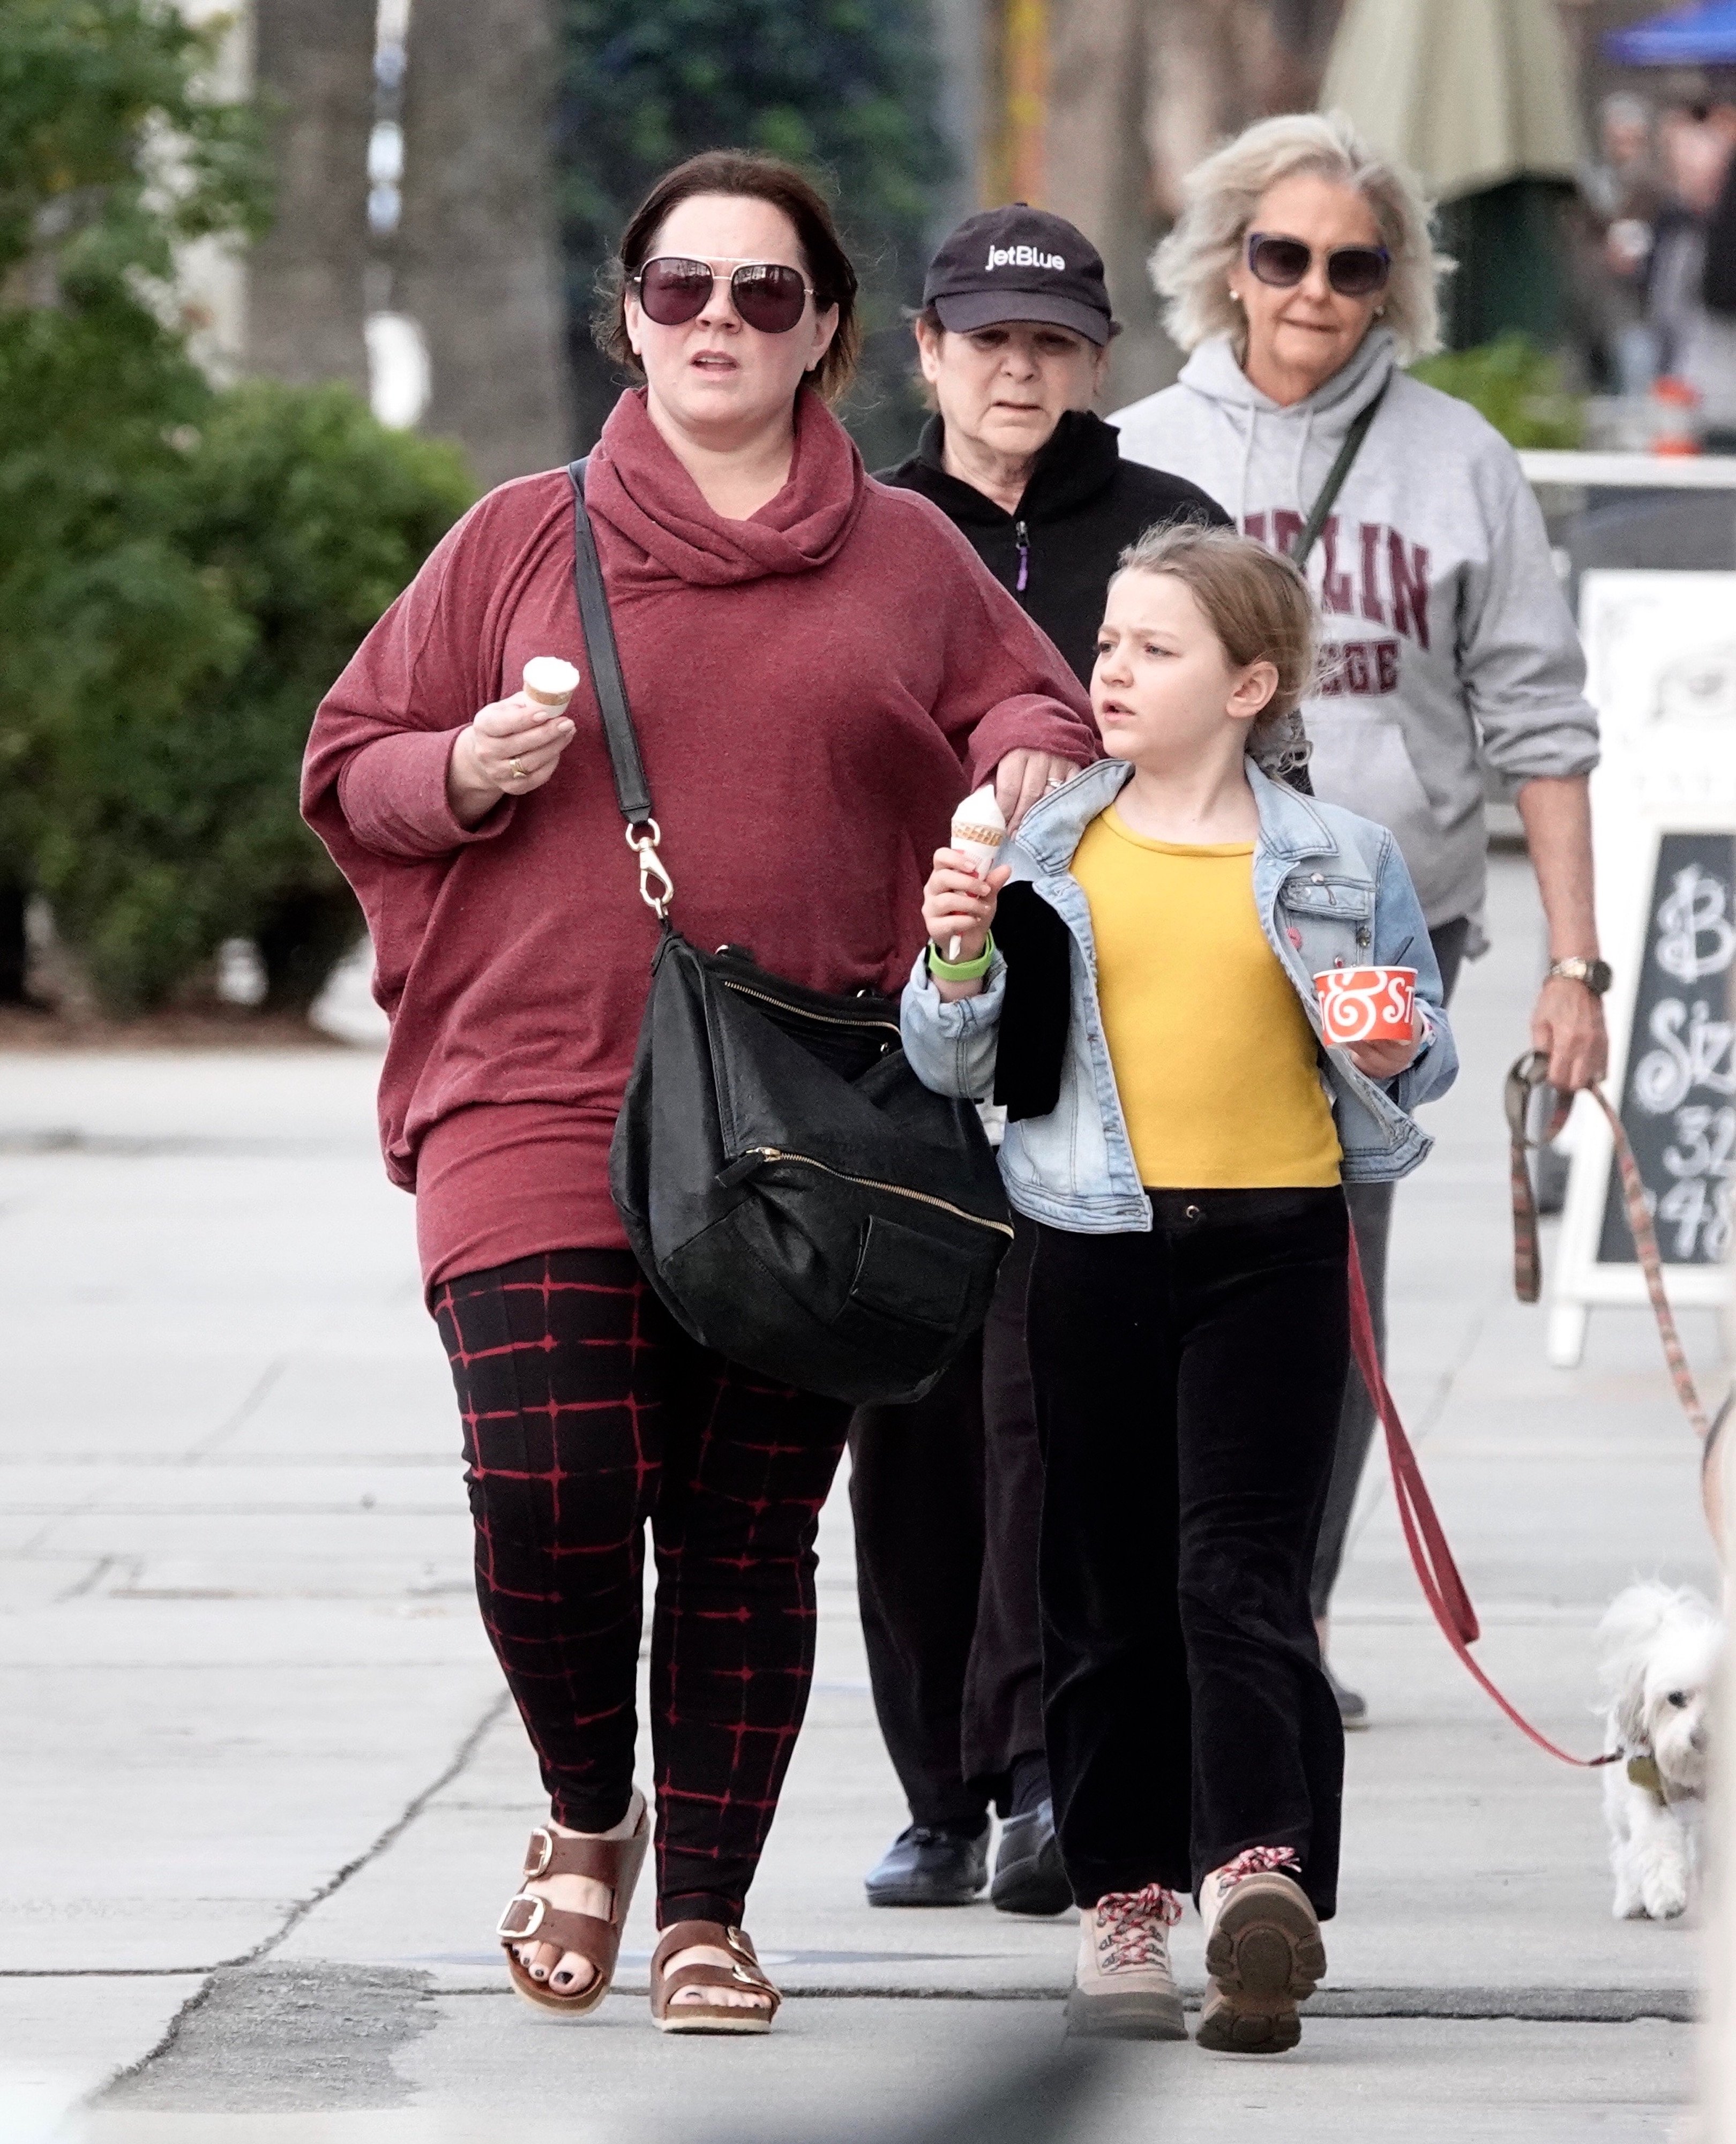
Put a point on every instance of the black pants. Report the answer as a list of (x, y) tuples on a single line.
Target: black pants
[(945, 1496), (588, 1411), (1371, 1215), (1188, 1385)]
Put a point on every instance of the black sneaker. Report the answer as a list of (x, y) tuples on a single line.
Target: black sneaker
[(1352, 1706), (928, 1865), (1028, 1877)]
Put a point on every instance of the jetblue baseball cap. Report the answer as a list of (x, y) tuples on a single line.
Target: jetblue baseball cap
[(1019, 264)]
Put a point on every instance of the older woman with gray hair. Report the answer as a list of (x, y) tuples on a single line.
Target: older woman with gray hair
[(1301, 279)]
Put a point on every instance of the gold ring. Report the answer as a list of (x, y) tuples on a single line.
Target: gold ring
[(517, 769)]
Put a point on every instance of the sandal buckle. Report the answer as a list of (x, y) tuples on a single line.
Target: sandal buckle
[(534, 1919), (542, 1846)]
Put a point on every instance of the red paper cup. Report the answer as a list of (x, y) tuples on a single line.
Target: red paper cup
[(1367, 1004)]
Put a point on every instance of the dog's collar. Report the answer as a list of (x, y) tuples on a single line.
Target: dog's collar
[(1643, 1772), (1642, 1769)]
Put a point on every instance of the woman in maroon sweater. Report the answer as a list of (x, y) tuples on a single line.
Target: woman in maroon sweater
[(819, 668)]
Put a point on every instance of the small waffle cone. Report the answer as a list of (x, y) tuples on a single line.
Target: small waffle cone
[(553, 695)]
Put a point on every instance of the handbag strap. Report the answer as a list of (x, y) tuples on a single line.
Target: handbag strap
[(632, 793), (1309, 534)]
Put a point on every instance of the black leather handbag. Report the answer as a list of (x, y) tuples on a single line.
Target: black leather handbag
[(795, 1195)]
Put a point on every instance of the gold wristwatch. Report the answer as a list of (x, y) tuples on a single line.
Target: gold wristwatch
[(1595, 975)]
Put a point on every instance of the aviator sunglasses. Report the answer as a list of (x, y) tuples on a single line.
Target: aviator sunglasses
[(769, 297), (1354, 272)]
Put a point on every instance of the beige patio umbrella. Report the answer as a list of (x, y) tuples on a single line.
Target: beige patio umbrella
[(1470, 93)]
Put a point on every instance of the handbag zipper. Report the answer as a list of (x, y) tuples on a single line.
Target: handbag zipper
[(867, 1182), (801, 1012)]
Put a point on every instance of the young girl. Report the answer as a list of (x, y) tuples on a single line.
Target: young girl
[(1180, 1134)]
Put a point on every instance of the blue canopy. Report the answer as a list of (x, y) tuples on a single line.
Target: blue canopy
[(1705, 36)]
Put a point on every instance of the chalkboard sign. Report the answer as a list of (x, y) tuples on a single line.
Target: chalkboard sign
[(1679, 1097)]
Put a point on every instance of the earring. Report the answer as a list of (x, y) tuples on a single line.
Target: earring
[(1235, 295)]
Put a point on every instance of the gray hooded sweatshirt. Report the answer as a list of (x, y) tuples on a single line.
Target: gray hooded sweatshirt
[(1451, 643)]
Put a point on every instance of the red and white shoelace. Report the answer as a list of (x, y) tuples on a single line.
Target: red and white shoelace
[(1256, 1861), (1132, 1927)]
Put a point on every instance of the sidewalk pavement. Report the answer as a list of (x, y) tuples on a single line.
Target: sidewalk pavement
[(261, 1799)]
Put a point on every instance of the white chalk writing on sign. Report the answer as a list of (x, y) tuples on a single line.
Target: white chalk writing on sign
[(1692, 1054)]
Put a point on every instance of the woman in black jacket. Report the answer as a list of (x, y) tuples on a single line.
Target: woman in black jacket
[(1013, 340)]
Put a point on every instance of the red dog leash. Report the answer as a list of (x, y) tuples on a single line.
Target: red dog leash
[(1436, 1572), (1529, 1073)]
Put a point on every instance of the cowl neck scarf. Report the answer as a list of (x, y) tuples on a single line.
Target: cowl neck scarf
[(635, 484)]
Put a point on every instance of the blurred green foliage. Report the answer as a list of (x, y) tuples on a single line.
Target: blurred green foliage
[(95, 382), (1515, 384), (110, 154), (845, 88), (172, 820), (182, 571)]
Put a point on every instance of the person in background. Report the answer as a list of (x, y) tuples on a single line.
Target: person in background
[(1302, 280), (1690, 289), (1718, 294), (1620, 201), (787, 628), (1013, 339)]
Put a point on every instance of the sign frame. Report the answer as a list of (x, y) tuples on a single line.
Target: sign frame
[(1663, 772)]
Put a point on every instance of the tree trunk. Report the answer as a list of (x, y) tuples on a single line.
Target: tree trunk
[(313, 60), (1099, 175), (1140, 91), (479, 264)]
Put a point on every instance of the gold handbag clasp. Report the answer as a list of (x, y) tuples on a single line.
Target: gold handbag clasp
[(642, 839)]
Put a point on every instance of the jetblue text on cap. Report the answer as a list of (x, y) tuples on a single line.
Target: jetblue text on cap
[(1022, 256)]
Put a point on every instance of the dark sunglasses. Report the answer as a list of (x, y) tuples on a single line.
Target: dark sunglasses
[(1354, 272), (768, 295)]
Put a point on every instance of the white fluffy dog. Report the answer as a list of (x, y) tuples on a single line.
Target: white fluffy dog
[(1661, 1649)]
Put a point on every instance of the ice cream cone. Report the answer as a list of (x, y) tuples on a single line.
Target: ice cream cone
[(978, 831), (550, 681)]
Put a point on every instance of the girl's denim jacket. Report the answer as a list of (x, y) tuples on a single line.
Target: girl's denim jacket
[(1331, 890)]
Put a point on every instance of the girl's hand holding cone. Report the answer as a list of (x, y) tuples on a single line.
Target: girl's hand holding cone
[(958, 904)]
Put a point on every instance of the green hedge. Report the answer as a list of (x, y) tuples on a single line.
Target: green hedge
[(182, 571), (167, 817), (1515, 384)]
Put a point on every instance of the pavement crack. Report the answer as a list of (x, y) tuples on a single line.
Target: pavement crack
[(249, 1406), (95, 1577), (170, 2033), (298, 1912), (393, 1833)]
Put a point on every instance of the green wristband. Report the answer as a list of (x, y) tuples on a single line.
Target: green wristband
[(962, 971)]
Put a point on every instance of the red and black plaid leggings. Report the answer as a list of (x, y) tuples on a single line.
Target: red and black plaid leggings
[(586, 1411)]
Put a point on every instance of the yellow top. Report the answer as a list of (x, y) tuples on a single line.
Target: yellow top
[(1214, 1058)]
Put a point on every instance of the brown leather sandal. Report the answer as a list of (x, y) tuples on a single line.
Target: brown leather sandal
[(671, 2016), (614, 1862)]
